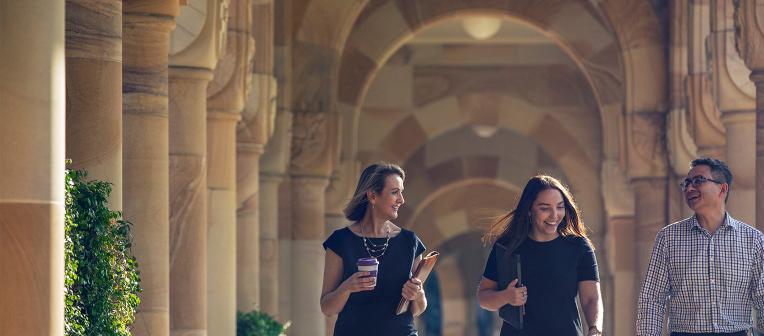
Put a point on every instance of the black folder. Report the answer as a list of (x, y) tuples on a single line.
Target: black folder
[(509, 268)]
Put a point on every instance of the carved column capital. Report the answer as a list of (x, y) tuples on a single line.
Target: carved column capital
[(230, 87), (259, 115), (199, 42), (315, 143), (646, 150), (749, 32)]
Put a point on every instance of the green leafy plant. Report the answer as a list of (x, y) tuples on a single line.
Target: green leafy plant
[(257, 323), (102, 280)]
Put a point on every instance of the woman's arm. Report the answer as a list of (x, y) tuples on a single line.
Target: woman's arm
[(413, 290), (591, 303), (334, 294), (490, 298)]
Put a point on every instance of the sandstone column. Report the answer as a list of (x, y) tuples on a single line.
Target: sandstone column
[(146, 37), (188, 200), (706, 127), (269, 248), (650, 216), (618, 198), (253, 133), (750, 43), (94, 91), (646, 169), (275, 246), (32, 167), (736, 97), (195, 49), (226, 96), (307, 254), (315, 144)]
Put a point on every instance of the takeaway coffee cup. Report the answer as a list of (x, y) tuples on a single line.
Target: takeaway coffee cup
[(370, 265)]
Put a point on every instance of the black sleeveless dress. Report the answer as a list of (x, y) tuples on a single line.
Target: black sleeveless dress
[(372, 313)]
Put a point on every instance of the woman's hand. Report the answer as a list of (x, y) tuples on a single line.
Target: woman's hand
[(358, 282), (413, 289), (516, 296)]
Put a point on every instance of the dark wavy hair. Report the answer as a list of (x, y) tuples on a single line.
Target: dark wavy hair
[(372, 179), (514, 227)]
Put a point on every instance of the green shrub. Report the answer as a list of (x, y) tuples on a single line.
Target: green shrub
[(257, 323), (102, 280)]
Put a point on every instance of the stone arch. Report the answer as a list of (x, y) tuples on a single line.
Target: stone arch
[(608, 68), (440, 218)]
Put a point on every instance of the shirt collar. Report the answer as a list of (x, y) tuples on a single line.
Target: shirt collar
[(729, 223)]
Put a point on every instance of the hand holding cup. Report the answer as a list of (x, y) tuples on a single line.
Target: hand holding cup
[(358, 282)]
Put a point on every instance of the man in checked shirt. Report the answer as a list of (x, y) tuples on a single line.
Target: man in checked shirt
[(708, 267)]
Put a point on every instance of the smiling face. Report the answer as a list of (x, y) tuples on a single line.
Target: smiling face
[(387, 202), (707, 195), (547, 213)]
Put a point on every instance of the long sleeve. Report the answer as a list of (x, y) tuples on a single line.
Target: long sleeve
[(757, 285), (655, 291)]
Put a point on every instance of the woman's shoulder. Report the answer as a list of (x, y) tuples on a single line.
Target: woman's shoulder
[(579, 242), (341, 233)]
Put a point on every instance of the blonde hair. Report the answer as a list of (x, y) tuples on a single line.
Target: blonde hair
[(372, 179)]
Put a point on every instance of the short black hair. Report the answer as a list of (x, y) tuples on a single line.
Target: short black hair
[(719, 170)]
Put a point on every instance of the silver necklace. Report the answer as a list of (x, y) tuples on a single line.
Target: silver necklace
[(375, 251)]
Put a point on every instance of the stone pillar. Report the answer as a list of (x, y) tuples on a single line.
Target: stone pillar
[(285, 250), (221, 217), (706, 127), (625, 279), (315, 152), (275, 246), (618, 198), (226, 96), (650, 216), (307, 258), (194, 50), (188, 200), (252, 134), (94, 91), (146, 27), (32, 167), (750, 43), (269, 240), (741, 157), (248, 226)]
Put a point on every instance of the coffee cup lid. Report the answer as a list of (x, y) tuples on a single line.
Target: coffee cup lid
[(368, 261)]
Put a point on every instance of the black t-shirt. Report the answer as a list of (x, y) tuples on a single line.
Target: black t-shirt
[(372, 313), (551, 271)]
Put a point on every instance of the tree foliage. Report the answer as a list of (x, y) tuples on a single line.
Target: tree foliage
[(102, 279)]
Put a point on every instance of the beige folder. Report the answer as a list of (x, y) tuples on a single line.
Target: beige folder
[(421, 272)]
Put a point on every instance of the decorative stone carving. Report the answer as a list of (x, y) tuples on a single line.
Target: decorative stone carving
[(315, 143), (706, 126), (681, 146), (732, 87), (749, 32), (198, 41), (259, 115), (231, 83), (646, 150)]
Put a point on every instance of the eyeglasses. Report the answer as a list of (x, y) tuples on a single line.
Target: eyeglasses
[(696, 182)]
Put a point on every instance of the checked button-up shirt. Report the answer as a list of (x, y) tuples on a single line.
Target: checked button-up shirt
[(710, 282)]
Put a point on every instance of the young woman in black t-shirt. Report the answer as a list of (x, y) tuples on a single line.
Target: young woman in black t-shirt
[(558, 263), (366, 305)]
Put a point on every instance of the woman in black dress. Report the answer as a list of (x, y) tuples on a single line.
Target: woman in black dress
[(557, 259), (366, 305)]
